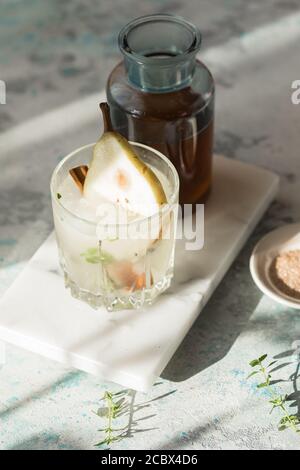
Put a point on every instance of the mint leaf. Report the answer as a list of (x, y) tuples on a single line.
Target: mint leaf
[(254, 363), (262, 358), (95, 256), (262, 385), (253, 373)]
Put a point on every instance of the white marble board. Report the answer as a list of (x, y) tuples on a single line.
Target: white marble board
[(133, 347)]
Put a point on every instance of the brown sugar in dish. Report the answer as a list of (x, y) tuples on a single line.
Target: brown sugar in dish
[(285, 273)]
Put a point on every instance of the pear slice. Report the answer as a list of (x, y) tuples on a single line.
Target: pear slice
[(128, 276), (116, 174)]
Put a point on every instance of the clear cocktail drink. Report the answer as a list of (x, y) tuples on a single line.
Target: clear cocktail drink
[(113, 257)]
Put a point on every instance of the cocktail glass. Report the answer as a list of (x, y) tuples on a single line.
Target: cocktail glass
[(117, 264)]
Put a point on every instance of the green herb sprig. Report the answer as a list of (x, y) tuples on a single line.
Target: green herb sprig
[(120, 409), (115, 404), (95, 256), (288, 421)]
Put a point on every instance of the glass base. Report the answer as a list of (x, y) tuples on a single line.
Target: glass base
[(113, 301)]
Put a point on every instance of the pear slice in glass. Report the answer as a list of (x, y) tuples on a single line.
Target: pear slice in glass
[(116, 174)]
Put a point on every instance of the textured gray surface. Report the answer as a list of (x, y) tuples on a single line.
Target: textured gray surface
[(53, 53)]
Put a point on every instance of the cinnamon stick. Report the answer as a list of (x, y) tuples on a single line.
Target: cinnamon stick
[(79, 174)]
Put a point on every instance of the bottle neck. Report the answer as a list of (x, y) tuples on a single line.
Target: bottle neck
[(160, 52), (160, 77)]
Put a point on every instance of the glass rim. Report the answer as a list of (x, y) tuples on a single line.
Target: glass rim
[(175, 19), (165, 207)]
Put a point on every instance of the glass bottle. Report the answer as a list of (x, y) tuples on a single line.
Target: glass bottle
[(161, 95)]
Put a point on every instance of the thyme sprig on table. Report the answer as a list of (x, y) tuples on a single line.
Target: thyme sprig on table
[(115, 404), (288, 421)]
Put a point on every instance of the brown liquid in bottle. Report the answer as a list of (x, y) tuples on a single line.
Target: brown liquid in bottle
[(178, 123)]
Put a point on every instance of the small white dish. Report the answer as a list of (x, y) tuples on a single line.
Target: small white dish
[(282, 239)]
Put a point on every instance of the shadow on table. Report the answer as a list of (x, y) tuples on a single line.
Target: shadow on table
[(63, 381), (46, 441), (220, 323), (227, 312), (293, 399)]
